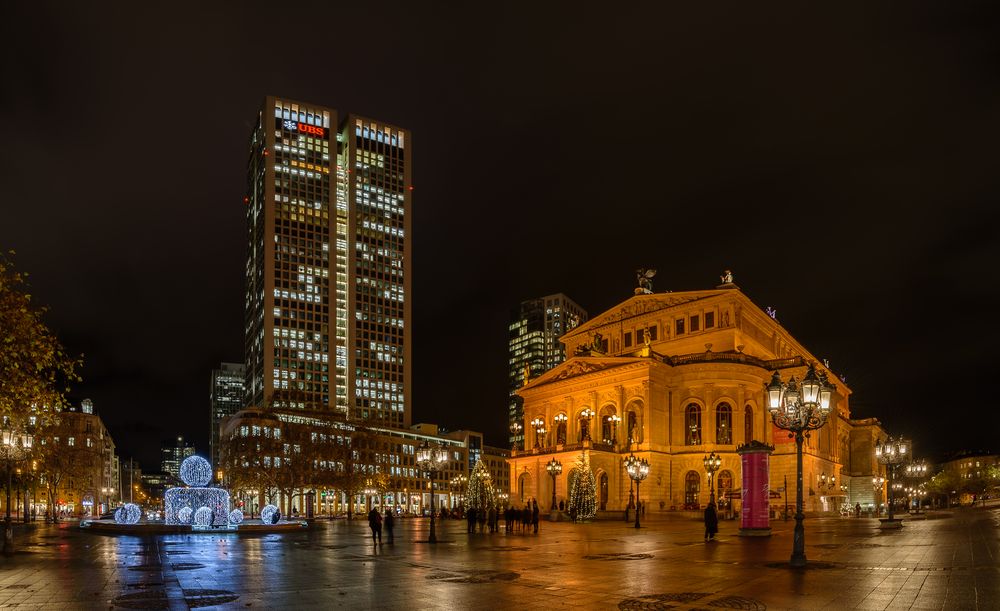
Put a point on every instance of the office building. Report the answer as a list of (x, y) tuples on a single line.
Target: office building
[(225, 395), (534, 347), (173, 453), (328, 264)]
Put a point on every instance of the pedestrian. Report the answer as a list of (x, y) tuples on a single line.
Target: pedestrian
[(506, 519), (481, 518), (534, 515), (857, 510), (711, 522), (470, 518), (388, 522), (375, 523), (491, 517)]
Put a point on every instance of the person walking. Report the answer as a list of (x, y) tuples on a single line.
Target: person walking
[(857, 510), (534, 515), (526, 517), (375, 523), (470, 519), (491, 517), (711, 522), (389, 522)]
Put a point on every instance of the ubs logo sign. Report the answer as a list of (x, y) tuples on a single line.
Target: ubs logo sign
[(305, 128)]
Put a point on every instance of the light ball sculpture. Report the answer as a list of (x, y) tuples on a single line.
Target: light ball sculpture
[(184, 515), (268, 515), (129, 513), (236, 516), (203, 517), (196, 471)]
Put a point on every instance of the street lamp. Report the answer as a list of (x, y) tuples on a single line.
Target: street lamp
[(431, 460), (560, 419), (712, 464), (614, 419), (554, 467), (638, 469), (515, 430), (539, 425), (797, 409), (892, 453), (586, 415), (16, 443)]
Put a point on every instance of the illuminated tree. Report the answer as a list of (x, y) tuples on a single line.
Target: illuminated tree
[(481, 494), (35, 370), (582, 490)]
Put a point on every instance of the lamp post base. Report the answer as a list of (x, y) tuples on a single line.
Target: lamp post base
[(798, 561), (890, 523)]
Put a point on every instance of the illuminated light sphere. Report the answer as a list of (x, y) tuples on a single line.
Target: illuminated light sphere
[(129, 513), (235, 516), (203, 517), (184, 515), (269, 514), (196, 471)]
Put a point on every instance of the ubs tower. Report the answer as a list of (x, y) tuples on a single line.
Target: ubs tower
[(328, 268)]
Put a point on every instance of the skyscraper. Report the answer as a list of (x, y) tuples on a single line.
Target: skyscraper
[(533, 341), (225, 394), (173, 453), (328, 263)]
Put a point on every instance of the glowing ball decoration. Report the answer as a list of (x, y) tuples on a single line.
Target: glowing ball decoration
[(203, 517), (269, 514), (196, 471), (129, 513), (184, 515), (236, 516)]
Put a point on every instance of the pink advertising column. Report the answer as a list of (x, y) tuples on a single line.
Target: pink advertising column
[(755, 518)]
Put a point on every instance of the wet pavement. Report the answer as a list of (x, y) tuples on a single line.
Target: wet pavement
[(949, 561)]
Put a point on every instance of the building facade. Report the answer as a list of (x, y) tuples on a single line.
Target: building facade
[(534, 347), (671, 377), (172, 454), (328, 268), (225, 394)]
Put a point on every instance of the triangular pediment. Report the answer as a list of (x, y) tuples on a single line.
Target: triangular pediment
[(581, 366), (639, 305)]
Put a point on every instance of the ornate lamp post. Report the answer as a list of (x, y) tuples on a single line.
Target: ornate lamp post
[(459, 482), (585, 416), (431, 460), (798, 409), (877, 482), (515, 430), (615, 419), (892, 453), (554, 467), (638, 469), (16, 443), (712, 464), (916, 471), (539, 426)]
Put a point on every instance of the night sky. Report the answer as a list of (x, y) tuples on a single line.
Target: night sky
[(841, 161)]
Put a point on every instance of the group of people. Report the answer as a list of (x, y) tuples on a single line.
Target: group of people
[(515, 520), (376, 522)]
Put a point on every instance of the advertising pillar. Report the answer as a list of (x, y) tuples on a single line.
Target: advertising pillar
[(755, 517)]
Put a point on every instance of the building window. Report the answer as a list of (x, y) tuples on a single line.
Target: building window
[(692, 490), (71, 441), (709, 320), (607, 430), (725, 486), (679, 326), (628, 339), (631, 423), (561, 432), (695, 323), (724, 424), (651, 332), (692, 427), (747, 424)]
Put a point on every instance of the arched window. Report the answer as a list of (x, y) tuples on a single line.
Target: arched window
[(725, 486), (604, 491), (607, 429), (692, 425), (560, 431), (692, 490), (521, 482), (747, 424), (724, 424)]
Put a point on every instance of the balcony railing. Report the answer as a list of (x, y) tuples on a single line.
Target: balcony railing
[(734, 357)]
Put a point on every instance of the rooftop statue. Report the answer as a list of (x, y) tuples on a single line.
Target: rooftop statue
[(644, 277)]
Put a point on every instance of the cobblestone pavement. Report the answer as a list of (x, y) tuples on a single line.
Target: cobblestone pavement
[(949, 561)]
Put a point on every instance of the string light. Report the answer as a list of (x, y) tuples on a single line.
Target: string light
[(269, 514), (203, 517), (236, 516), (184, 515), (196, 471), (129, 513)]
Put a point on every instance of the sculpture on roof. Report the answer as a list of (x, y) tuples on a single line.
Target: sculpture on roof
[(644, 277), (727, 277)]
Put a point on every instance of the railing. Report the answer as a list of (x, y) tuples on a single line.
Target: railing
[(734, 357)]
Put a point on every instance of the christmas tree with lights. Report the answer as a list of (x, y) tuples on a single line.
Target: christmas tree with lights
[(583, 490), (481, 494)]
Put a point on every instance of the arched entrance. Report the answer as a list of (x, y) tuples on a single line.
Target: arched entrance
[(522, 486), (692, 490), (604, 491)]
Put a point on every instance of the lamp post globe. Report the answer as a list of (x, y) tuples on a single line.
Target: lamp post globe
[(892, 453), (799, 408), (712, 464), (430, 460), (638, 470), (554, 467)]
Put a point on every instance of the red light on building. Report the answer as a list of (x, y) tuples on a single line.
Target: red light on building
[(410, 187), (246, 200), (265, 152)]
